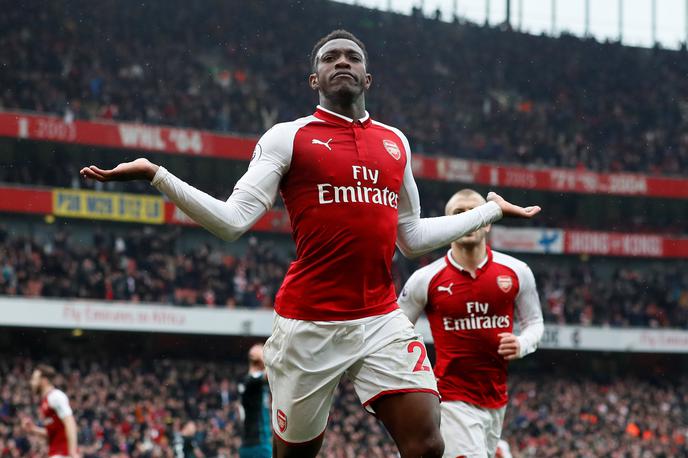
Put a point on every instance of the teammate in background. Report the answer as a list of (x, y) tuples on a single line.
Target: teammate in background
[(59, 424), (185, 443), (256, 435), (348, 187), (470, 297)]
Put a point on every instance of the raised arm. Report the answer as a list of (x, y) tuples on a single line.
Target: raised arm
[(417, 236), (254, 194)]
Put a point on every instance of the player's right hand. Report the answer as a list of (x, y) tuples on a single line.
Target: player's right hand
[(27, 424), (509, 209), (140, 169)]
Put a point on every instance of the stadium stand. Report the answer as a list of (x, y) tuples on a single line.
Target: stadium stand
[(146, 265), (518, 98), (490, 95), (135, 407)]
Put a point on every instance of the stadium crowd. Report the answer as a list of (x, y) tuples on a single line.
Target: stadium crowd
[(141, 266), (490, 94), (620, 417), (217, 178), (147, 265), (137, 408)]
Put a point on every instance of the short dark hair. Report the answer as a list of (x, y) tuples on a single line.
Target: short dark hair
[(47, 372), (334, 35)]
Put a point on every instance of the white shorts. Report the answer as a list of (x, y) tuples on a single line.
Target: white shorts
[(306, 359), (470, 431)]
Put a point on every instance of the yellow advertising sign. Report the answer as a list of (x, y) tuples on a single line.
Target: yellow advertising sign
[(133, 208)]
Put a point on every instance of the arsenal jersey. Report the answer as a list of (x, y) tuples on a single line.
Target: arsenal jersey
[(466, 316), (342, 187), (54, 408)]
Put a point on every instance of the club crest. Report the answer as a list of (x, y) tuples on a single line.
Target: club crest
[(505, 283), (392, 148)]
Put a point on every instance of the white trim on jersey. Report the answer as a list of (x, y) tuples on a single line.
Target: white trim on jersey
[(414, 297), (58, 401), (528, 310), (417, 236), (254, 194), (341, 116), (454, 263)]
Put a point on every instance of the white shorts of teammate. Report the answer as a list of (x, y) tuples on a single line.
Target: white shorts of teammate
[(306, 359), (470, 431)]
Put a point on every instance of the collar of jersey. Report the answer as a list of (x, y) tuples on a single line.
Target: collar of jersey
[(336, 118), (478, 270)]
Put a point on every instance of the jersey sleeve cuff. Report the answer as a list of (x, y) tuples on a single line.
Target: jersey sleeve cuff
[(159, 176), (490, 212)]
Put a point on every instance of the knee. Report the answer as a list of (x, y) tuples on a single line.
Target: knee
[(430, 446)]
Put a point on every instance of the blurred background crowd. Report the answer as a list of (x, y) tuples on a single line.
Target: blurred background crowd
[(139, 408), (507, 96), (489, 94)]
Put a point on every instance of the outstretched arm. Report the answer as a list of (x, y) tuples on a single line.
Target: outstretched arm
[(254, 194), (417, 236)]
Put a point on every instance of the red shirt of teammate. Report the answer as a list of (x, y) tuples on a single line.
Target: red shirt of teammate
[(470, 297), (56, 415)]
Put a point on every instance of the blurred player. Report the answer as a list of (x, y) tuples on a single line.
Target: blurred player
[(256, 435), (185, 443), (470, 297), (348, 186), (59, 424)]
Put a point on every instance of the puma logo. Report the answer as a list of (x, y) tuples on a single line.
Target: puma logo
[(326, 144), (446, 289)]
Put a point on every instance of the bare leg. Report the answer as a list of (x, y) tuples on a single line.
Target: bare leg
[(413, 420), (310, 449)]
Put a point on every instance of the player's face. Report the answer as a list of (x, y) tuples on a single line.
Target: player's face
[(35, 381), (340, 70), (255, 354), (460, 205)]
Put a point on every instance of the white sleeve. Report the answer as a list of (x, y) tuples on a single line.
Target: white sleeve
[(254, 193), (416, 235), (529, 312), (414, 296), (58, 401)]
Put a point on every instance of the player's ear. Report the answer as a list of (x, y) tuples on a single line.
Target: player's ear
[(368, 81), (313, 81), (487, 228)]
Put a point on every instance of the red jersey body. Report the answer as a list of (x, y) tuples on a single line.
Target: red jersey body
[(54, 407), (466, 316), (342, 192)]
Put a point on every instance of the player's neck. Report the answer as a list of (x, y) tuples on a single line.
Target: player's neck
[(469, 256), (46, 389), (351, 109)]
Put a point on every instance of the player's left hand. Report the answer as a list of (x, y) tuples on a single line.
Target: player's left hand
[(509, 347), (509, 209)]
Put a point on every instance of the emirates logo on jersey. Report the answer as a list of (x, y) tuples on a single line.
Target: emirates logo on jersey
[(281, 420), (392, 148), (505, 283)]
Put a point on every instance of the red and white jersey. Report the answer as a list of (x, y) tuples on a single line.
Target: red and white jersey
[(467, 314), (344, 185), (54, 408), (351, 197)]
